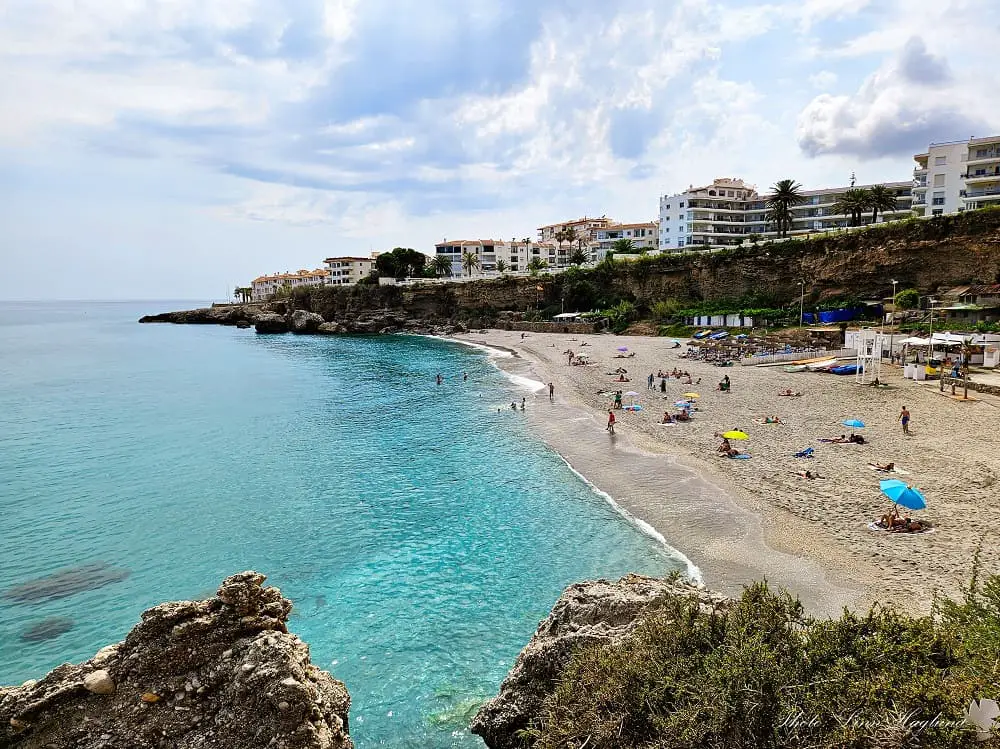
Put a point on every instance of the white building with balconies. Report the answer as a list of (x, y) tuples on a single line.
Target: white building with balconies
[(938, 179), (348, 270), (982, 173), (728, 212), (644, 238)]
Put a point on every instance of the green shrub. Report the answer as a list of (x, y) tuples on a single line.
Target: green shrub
[(763, 674)]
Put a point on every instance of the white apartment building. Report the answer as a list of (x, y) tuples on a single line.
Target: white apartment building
[(644, 236), (957, 176), (728, 211), (263, 287), (585, 228), (516, 253), (348, 270)]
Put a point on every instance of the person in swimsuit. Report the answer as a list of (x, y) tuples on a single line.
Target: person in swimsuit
[(904, 419), (552, 390), (611, 422)]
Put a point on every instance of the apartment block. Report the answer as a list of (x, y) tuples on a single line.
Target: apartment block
[(728, 211), (263, 287), (585, 228), (643, 236), (348, 270)]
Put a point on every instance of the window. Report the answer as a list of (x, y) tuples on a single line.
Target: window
[(679, 205), (667, 208), (940, 160), (938, 180), (937, 211), (680, 242), (666, 218), (938, 201), (666, 230)]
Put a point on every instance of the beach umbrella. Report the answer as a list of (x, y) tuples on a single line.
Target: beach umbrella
[(683, 404), (691, 395), (631, 394), (623, 349), (736, 434), (853, 423), (903, 494)]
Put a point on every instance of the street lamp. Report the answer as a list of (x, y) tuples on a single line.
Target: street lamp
[(802, 296), (894, 284)]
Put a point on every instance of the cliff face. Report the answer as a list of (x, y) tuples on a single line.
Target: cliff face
[(223, 673), (585, 613), (926, 255)]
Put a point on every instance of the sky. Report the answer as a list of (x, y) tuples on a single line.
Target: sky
[(174, 149)]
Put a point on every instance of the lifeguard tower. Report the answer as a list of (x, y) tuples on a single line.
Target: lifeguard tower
[(869, 361)]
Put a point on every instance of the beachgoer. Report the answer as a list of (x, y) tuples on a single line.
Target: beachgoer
[(667, 418), (618, 399), (663, 385), (725, 447), (522, 336), (513, 406), (683, 415), (904, 419), (611, 422), (570, 358), (552, 391), (465, 376), (439, 379), (879, 467), (522, 404), (649, 381)]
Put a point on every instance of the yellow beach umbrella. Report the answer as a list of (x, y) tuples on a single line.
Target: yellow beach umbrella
[(736, 435), (691, 395)]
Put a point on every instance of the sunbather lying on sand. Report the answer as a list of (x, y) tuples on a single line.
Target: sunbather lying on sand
[(841, 440), (807, 475), (888, 467), (769, 420), (788, 392), (894, 524)]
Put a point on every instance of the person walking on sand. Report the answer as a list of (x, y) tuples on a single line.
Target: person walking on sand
[(552, 391), (570, 362), (611, 422), (649, 382), (904, 419)]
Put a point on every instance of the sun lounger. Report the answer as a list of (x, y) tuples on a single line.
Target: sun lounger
[(807, 453)]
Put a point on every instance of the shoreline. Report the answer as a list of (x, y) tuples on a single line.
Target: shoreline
[(746, 520), (721, 541)]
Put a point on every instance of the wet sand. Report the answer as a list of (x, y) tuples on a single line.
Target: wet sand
[(740, 521)]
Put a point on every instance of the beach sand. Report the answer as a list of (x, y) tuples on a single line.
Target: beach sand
[(745, 520)]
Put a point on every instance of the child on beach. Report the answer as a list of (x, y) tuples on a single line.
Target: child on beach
[(611, 422)]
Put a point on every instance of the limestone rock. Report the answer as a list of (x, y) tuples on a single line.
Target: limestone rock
[(331, 328), (305, 322), (588, 612), (99, 682), (282, 700), (270, 322)]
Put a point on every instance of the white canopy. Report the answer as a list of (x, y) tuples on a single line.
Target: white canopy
[(914, 341), (951, 338), (567, 316)]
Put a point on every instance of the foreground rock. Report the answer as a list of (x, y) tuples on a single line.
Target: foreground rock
[(220, 673), (587, 612)]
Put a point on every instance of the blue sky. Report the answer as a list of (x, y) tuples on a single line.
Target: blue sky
[(176, 149)]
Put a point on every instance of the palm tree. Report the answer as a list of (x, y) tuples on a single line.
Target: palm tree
[(501, 265), (785, 195), (470, 261), (880, 198), (579, 257), (853, 203), (623, 246), (535, 265), (441, 265), (569, 236)]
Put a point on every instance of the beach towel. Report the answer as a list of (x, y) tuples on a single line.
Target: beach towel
[(896, 469), (874, 526), (741, 456), (807, 453)]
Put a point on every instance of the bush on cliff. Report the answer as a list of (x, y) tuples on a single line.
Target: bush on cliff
[(762, 674)]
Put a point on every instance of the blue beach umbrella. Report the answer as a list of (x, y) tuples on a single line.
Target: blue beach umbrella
[(683, 404), (903, 494), (854, 423)]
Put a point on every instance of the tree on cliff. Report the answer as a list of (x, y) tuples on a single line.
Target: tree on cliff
[(566, 235), (853, 203), (441, 265), (536, 265), (501, 266), (880, 199), (785, 195), (401, 262), (243, 293), (623, 246), (470, 261), (907, 299), (578, 256)]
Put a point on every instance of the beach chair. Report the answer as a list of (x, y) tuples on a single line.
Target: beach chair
[(807, 453)]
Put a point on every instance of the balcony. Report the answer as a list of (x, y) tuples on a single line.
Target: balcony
[(920, 171), (920, 184), (984, 192), (984, 176), (988, 158), (920, 200)]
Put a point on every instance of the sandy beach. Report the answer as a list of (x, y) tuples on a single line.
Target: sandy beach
[(742, 520)]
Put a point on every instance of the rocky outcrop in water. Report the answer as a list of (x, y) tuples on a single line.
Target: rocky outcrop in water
[(66, 582), (585, 613), (221, 673)]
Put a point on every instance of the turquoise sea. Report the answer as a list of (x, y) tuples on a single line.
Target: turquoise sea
[(421, 534)]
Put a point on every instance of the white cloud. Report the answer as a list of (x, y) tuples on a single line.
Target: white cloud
[(823, 79)]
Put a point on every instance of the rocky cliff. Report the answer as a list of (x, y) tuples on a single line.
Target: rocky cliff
[(223, 672), (923, 254), (585, 613)]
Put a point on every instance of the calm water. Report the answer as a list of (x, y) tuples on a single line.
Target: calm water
[(421, 534)]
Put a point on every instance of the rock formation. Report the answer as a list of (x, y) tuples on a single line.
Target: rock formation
[(585, 613), (305, 322), (223, 672), (271, 322)]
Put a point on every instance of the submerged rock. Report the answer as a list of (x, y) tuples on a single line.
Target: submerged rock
[(47, 629), (222, 673), (588, 612), (67, 582)]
